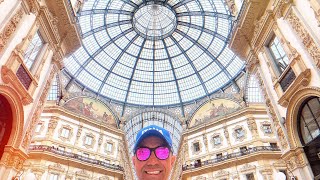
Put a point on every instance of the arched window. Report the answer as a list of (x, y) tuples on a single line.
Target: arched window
[(309, 120)]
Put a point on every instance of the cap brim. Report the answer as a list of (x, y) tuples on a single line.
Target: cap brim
[(149, 134)]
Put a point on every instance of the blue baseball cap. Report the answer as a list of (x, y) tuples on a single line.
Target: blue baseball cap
[(152, 130)]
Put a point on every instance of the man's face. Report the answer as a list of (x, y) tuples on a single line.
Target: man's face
[(153, 168)]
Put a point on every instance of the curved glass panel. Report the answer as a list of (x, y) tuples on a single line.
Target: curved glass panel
[(310, 120), (154, 53)]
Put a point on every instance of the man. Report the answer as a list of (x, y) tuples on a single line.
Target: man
[(153, 158)]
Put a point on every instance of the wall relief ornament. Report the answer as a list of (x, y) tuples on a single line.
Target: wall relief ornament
[(201, 178), (53, 122), (56, 168), (222, 174), (79, 131), (13, 158), (305, 37), (226, 133), (82, 173), (252, 125), (248, 168), (10, 28)]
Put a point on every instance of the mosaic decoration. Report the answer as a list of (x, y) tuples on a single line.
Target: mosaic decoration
[(212, 110), (91, 108)]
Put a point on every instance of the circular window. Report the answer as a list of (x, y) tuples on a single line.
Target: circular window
[(309, 117), (154, 21)]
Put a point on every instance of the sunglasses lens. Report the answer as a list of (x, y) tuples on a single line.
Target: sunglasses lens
[(143, 154), (162, 153)]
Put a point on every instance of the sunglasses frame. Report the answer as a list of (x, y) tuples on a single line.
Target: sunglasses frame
[(152, 150)]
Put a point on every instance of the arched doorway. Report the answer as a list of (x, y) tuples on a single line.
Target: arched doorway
[(309, 132), (5, 123)]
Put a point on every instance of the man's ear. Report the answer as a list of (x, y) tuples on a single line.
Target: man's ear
[(134, 160), (173, 159)]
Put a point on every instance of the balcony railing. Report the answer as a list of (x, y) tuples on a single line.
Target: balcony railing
[(230, 156), (74, 156)]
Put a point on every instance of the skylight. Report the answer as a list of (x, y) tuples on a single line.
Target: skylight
[(154, 53)]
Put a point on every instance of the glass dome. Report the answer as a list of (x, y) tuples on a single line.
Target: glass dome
[(154, 53)]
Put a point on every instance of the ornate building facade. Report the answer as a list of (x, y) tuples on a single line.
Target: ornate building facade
[(236, 82)]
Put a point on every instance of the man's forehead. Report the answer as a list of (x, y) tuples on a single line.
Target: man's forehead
[(152, 141)]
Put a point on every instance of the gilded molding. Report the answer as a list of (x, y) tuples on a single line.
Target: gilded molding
[(10, 28), (307, 40)]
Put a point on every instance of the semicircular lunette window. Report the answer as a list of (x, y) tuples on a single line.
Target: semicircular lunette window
[(309, 118), (154, 53)]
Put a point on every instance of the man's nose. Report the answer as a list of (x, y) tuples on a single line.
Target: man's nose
[(152, 159)]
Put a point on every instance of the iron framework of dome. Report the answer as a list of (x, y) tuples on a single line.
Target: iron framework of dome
[(154, 53)]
